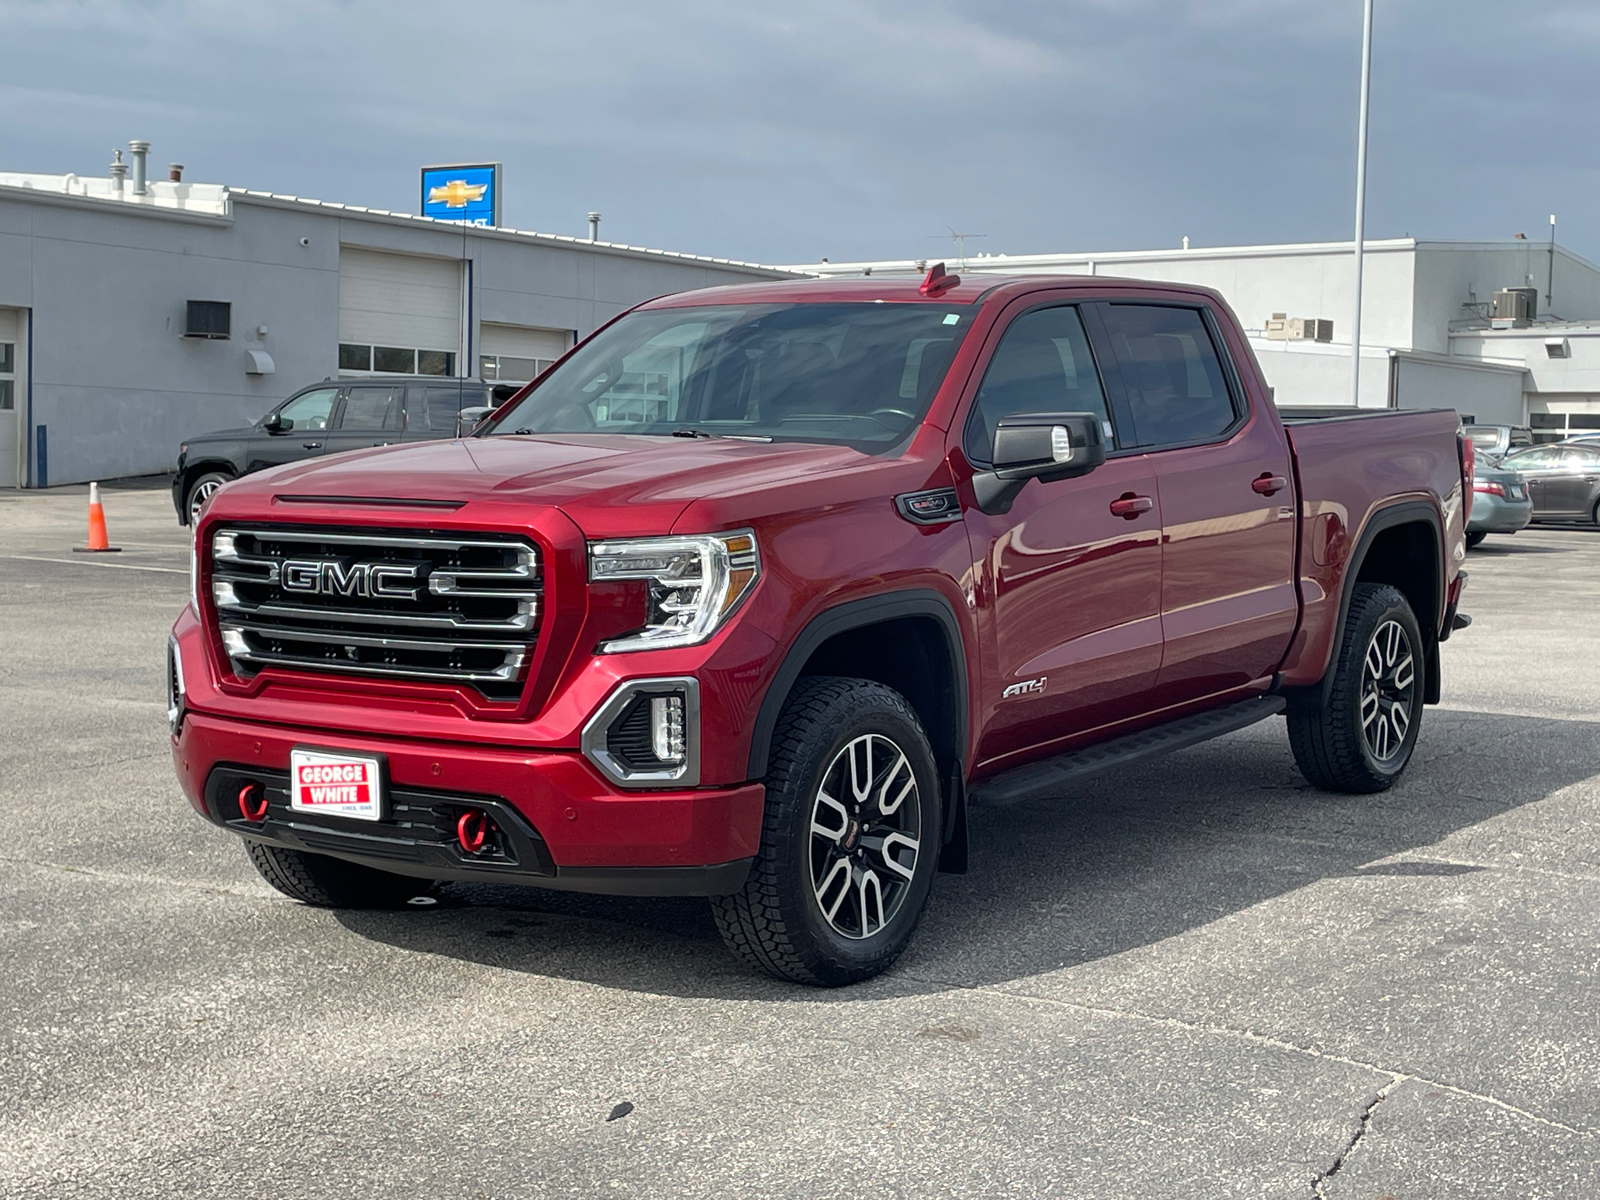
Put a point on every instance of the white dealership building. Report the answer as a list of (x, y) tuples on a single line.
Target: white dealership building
[(1430, 336), (136, 313)]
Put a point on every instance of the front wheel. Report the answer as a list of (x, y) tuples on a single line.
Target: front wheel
[(327, 882), (849, 842), (201, 490), (1362, 739)]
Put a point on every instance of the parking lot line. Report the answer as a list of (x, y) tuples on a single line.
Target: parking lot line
[(94, 562)]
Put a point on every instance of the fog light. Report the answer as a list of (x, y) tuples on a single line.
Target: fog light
[(666, 729)]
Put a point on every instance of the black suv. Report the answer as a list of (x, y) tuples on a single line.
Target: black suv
[(327, 418)]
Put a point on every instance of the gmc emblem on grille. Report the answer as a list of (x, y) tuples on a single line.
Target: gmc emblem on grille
[(331, 577)]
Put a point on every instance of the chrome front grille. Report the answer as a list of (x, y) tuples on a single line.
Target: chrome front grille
[(405, 606)]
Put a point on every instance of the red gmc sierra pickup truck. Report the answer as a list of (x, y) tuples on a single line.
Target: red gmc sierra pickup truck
[(751, 591)]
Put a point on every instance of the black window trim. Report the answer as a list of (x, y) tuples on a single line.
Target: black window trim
[(1237, 396), (1116, 409)]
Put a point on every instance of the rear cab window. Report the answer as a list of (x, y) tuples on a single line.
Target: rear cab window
[(1178, 392)]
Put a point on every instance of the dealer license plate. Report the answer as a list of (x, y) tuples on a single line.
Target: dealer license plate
[(336, 784)]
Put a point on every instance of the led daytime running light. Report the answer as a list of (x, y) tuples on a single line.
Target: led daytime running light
[(695, 582)]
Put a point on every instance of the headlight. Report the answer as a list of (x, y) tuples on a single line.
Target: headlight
[(695, 582)]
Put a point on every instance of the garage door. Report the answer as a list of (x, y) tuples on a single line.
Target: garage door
[(518, 353), (398, 313)]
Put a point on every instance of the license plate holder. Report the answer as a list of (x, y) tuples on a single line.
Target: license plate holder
[(337, 783)]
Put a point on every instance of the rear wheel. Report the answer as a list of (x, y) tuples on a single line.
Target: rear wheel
[(202, 489), (849, 842), (332, 882), (1474, 539), (1362, 739)]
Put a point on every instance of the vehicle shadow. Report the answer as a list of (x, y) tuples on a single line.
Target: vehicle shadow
[(1108, 866)]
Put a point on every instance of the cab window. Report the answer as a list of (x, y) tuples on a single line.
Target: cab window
[(371, 407), (1173, 377), (308, 412), (1042, 365)]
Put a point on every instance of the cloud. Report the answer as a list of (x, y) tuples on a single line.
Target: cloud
[(788, 131)]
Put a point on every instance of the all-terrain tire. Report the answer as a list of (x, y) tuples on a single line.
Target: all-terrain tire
[(1334, 745), (332, 882), (777, 923)]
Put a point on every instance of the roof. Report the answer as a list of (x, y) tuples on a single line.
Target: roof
[(903, 289), (213, 200)]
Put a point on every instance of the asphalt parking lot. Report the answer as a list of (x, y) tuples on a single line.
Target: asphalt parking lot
[(1197, 978)]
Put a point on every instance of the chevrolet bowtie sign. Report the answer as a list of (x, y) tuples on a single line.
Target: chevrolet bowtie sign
[(467, 193)]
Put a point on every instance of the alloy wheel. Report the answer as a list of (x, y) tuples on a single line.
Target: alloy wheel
[(198, 497), (1388, 686), (866, 834)]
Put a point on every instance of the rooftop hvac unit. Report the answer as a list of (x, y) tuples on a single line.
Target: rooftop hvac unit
[(1282, 328), (1519, 305)]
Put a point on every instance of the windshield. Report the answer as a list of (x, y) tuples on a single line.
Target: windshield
[(856, 374)]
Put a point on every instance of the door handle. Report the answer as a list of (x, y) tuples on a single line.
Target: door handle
[(312, 445), (1129, 506), (1268, 484)]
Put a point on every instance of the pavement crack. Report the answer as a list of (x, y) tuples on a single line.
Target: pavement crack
[(1260, 1039), (1319, 1181)]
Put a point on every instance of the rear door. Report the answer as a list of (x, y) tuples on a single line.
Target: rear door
[(1228, 603), (1542, 468), (1073, 589), (370, 415)]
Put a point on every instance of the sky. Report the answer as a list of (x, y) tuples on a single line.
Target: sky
[(783, 133)]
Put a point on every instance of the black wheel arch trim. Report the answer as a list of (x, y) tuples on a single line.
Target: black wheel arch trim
[(1406, 512), (191, 472), (856, 614)]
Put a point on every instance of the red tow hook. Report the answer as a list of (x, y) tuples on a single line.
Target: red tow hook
[(253, 803), (473, 830)]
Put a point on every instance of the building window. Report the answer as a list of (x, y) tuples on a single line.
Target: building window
[(394, 360), (504, 368), (8, 376), (355, 358), (209, 319)]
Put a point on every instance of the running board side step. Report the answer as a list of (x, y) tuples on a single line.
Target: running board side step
[(1037, 779)]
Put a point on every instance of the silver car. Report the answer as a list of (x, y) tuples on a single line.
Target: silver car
[(1563, 480)]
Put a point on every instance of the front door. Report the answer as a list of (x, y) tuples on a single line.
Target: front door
[(1228, 603), (1072, 587), (1569, 489), (11, 406), (302, 430)]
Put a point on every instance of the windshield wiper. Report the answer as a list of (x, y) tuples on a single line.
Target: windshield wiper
[(692, 433)]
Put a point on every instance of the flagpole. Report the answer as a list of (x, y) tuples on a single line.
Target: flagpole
[(1361, 201)]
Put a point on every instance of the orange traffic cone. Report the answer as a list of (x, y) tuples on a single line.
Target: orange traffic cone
[(98, 542)]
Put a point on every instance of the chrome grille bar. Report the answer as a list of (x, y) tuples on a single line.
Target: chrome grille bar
[(408, 606)]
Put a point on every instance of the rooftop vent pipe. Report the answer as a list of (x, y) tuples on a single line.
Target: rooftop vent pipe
[(139, 149), (594, 227), (118, 171), (175, 172)]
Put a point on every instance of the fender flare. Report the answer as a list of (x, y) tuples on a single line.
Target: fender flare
[(853, 614), (1406, 512)]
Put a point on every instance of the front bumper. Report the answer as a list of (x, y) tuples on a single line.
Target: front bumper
[(1494, 514), (566, 827)]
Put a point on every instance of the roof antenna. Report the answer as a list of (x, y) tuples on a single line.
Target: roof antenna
[(938, 281)]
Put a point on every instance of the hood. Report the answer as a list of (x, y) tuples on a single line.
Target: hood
[(221, 435), (610, 484)]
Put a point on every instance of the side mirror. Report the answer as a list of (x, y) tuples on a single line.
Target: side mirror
[(273, 423), (471, 417), (1043, 446)]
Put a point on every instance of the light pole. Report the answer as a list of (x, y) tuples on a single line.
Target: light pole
[(1361, 201)]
